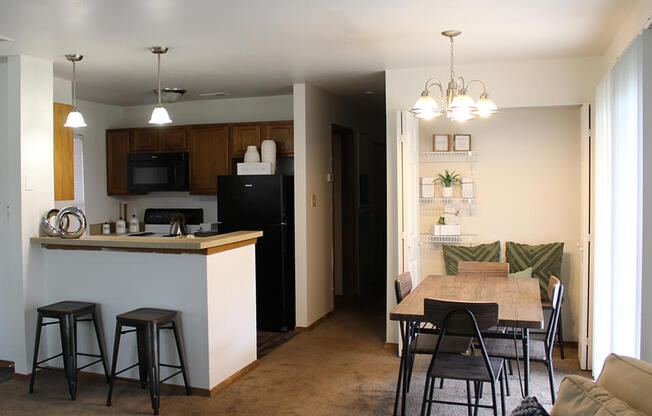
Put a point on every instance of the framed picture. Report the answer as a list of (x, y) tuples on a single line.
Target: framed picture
[(441, 142), (462, 142)]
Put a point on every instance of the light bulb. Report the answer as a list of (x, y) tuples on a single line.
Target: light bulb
[(160, 116), (426, 107), (75, 119), (463, 102)]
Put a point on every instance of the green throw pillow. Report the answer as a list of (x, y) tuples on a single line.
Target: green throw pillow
[(527, 273), (482, 252), (544, 259)]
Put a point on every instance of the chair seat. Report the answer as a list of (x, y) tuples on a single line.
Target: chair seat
[(426, 344), (67, 307), (144, 316), (463, 367), (505, 348)]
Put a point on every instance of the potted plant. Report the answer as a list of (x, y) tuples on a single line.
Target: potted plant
[(447, 179)]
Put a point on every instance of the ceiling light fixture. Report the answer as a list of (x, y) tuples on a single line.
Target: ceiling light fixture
[(75, 118), (159, 114), (170, 95), (457, 103)]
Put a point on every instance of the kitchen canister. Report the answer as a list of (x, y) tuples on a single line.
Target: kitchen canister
[(251, 155), (268, 153)]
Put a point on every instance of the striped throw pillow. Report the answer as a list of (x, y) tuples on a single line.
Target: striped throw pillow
[(482, 252)]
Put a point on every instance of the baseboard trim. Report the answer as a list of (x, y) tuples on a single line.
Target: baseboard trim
[(170, 388), (314, 324), (5, 363)]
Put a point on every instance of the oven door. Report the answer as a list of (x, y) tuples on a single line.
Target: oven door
[(151, 172)]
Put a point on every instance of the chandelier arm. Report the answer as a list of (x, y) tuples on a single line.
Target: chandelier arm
[(434, 82), (484, 86), (462, 86)]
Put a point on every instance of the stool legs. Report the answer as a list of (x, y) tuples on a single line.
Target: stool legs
[(98, 334), (142, 357), (116, 345), (68, 345), (37, 342), (181, 353), (153, 367)]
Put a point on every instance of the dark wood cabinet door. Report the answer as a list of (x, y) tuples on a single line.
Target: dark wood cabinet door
[(283, 135), (117, 149), (242, 136), (209, 157), (144, 140), (172, 139)]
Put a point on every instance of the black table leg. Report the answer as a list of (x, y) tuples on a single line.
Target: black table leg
[(526, 360), (401, 386)]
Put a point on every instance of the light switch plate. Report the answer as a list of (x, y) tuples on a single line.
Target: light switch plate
[(28, 182)]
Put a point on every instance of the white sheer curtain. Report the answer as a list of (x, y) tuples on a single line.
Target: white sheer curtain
[(618, 207)]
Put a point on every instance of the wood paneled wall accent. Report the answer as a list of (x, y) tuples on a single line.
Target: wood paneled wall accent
[(64, 172)]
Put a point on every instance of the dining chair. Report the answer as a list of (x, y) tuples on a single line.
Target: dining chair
[(483, 268), (463, 319), (540, 350), (424, 339)]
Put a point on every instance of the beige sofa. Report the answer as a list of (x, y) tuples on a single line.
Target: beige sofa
[(623, 388)]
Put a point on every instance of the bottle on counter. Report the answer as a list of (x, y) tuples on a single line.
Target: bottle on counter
[(121, 226), (106, 228), (134, 225)]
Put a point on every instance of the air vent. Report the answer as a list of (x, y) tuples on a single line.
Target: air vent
[(212, 94)]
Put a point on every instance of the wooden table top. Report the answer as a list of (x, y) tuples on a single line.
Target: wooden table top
[(519, 299)]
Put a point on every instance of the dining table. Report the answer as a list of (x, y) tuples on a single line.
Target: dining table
[(519, 307)]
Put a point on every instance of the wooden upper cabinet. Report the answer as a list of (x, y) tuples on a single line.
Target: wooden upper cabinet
[(243, 135), (283, 135), (64, 155), (209, 157), (117, 149), (172, 139), (144, 140)]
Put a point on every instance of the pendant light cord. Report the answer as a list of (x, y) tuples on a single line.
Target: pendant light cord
[(74, 81), (159, 78)]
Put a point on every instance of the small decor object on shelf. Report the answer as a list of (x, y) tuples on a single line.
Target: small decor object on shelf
[(451, 215), (441, 142), (251, 155), (450, 229), (268, 153), (57, 223), (467, 188), (447, 179), (427, 187), (462, 142)]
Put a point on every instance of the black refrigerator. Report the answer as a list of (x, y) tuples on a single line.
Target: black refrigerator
[(265, 203)]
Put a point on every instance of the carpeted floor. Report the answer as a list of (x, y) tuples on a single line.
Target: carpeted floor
[(338, 368)]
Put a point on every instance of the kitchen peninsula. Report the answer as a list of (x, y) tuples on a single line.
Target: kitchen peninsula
[(211, 281)]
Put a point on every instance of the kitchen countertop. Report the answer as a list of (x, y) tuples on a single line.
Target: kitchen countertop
[(177, 245)]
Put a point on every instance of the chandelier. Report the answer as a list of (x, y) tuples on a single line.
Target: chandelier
[(456, 102)]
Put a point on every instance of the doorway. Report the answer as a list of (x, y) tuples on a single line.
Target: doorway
[(359, 221)]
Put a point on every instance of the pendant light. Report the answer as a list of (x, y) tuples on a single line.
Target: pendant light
[(75, 118), (159, 114), (455, 101)]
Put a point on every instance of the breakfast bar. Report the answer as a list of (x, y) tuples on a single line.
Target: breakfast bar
[(211, 281)]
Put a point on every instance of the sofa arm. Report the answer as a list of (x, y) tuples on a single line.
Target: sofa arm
[(580, 396)]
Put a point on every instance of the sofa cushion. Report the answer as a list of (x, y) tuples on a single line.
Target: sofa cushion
[(545, 260), (629, 380), (580, 396), (529, 407), (481, 252)]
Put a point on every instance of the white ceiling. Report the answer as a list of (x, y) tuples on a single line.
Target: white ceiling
[(262, 47)]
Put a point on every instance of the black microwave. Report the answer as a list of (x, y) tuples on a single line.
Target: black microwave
[(151, 172)]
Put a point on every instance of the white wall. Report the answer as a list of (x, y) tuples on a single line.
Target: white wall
[(527, 177), (6, 349), (314, 112), (525, 84), (27, 83)]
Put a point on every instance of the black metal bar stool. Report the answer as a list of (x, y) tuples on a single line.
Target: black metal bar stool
[(146, 323), (67, 314)]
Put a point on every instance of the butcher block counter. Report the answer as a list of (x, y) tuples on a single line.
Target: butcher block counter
[(188, 244)]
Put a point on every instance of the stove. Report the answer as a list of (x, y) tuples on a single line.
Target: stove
[(157, 222)]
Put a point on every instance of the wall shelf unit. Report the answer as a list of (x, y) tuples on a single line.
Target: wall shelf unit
[(447, 239), (438, 157), (446, 201)]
